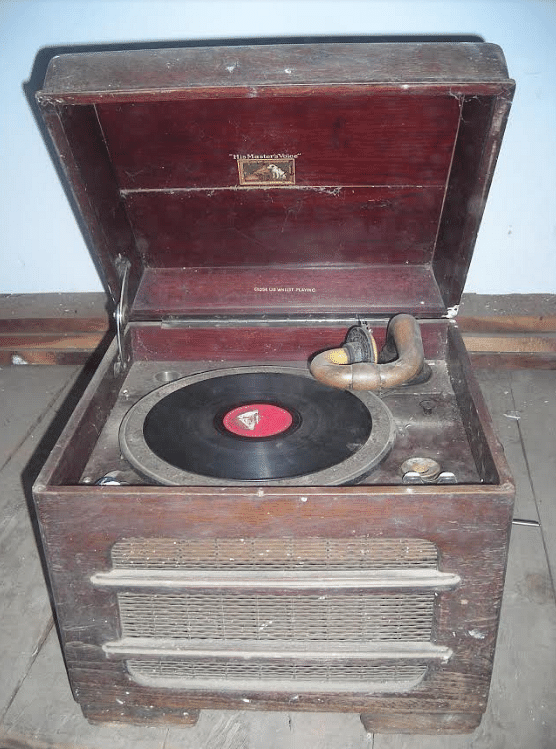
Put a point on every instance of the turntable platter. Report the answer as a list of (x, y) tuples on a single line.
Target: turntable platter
[(255, 425)]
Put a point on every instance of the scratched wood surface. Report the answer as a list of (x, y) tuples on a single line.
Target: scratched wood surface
[(36, 706)]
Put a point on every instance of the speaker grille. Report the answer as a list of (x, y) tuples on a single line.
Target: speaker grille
[(300, 617), (192, 670), (274, 553), (303, 621)]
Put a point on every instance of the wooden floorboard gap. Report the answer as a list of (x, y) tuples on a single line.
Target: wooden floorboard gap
[(34, 425), (34, 655), (534, 494)]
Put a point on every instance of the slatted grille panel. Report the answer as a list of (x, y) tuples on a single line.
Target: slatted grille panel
[(300, 617), (172, 668), (274, 553)]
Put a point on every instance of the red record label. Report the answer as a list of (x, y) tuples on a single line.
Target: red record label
[(257, 420)]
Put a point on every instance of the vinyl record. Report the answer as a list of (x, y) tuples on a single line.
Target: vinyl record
[(247, 425)]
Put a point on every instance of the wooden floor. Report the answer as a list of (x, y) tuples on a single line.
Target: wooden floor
[(36, 707)]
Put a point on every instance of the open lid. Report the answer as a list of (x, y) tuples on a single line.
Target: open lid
[(293, 178)]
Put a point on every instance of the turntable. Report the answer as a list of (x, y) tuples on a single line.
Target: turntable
[(281, 489)]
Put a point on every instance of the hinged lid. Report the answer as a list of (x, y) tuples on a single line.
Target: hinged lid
[(318, 178)]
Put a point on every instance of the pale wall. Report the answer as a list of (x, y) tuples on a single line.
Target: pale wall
[(41, 248)]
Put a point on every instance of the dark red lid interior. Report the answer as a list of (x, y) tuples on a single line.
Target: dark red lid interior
[(360, 197)]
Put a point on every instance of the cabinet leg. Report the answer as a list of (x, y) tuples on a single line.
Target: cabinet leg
[(420, 722), (141, 715)]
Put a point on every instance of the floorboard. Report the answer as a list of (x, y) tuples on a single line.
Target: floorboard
[(31, 400), (496, 386), (26, 394), (535, 396)]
